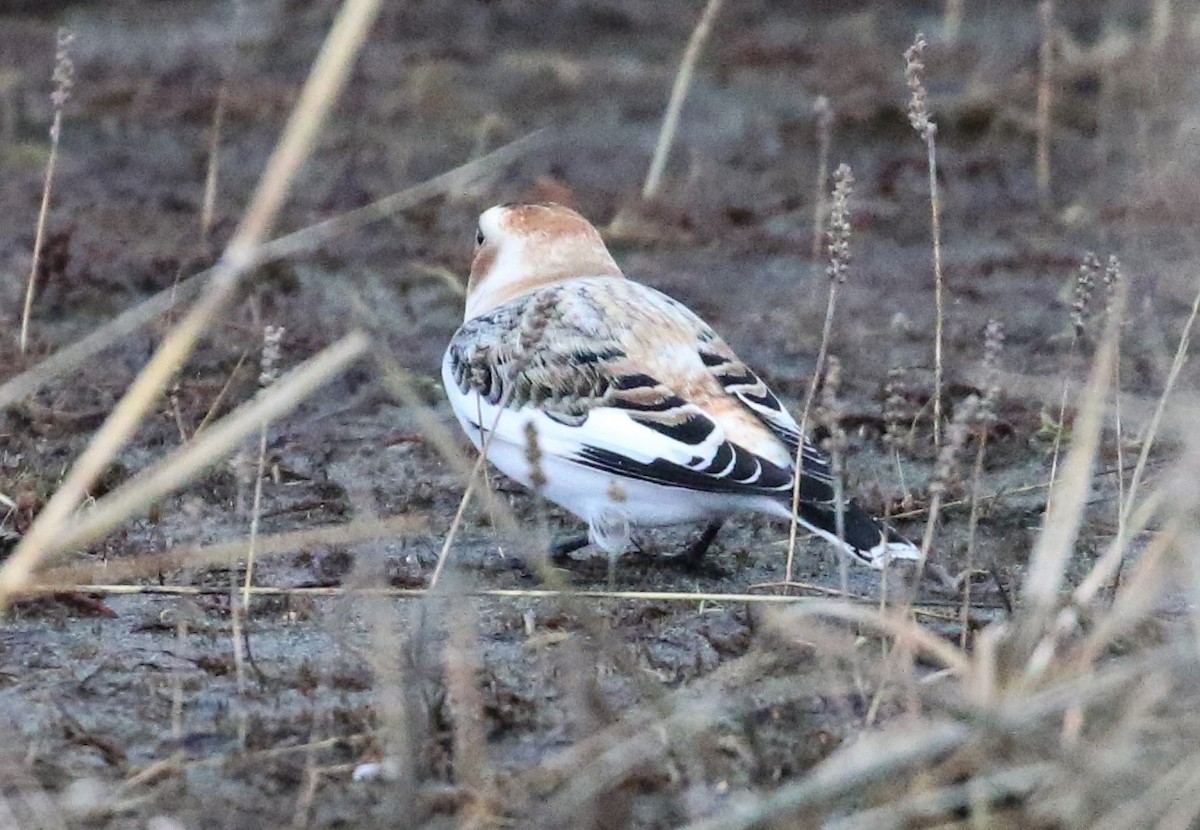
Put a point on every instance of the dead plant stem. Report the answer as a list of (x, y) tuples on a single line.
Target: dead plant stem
[(683, 81)]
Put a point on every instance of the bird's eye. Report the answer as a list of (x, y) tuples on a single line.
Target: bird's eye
[(479, 236)]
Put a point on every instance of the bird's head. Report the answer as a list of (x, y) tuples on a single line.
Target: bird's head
[(520, 248)]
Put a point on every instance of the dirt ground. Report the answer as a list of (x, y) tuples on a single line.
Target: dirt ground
[(98, 691)]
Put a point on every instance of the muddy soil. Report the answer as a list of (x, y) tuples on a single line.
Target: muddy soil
[(118, 708)]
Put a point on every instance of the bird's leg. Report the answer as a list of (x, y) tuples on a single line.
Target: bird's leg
[(562, 547), (692, 557)]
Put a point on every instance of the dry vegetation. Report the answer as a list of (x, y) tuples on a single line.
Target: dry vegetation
[(251, 573)]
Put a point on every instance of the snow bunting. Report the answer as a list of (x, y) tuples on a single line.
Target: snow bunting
[(618, 402)]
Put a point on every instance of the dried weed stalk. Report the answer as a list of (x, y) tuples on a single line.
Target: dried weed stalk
[(64, 80), (1112, 281), (946, 471), (919, 117), (838, 247), (1081, 307), (1068, 496), (829, 415), (268, 374), (683, 82), (985, 419), (824, 115)]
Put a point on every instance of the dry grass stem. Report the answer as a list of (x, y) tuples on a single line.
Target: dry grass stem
[(1108, 563), (894, 624), (985, 420), (824, 115), (326, 78), (973, 798), (838, 247), (1112, 278), (1137, 596), (945, 471), (919, 117), (1085, 284), (683, 81), (872, 758), (472, 767), (1068, 496), (184, 556), (830, 416), (216, 442), (306, 239), (1160, 408), (208, 206), (404, 525), (452, 533), (1045, 100), (268, 374), (64, 79), (325, 81)]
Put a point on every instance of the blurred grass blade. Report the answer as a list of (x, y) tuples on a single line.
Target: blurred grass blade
[(214, 443), (301, 241), (85, 576), (326, 78), (1068, 497)]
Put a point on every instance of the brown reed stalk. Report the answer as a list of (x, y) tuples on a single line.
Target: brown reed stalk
[(838, 247), (329, 72), (895, 415), (456, 522), (145, 566), (64, 79), (919, 117), (538, 481), (683, 82)]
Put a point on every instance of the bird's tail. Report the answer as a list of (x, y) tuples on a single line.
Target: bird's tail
[(863, 536)]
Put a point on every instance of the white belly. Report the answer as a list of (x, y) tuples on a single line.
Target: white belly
[(611, 504)]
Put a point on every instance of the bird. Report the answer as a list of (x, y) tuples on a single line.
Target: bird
[(619, 404)]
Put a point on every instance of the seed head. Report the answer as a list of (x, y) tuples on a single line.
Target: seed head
[(838, 235), (918, 104)]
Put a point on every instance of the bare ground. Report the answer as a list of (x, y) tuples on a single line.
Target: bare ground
[(95, 690)]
